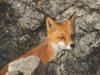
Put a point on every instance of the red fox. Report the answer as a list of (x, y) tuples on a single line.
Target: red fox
[(59, 36)]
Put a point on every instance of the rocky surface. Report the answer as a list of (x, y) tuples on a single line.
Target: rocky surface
[(22, 26), (20, 29), (25, 66)]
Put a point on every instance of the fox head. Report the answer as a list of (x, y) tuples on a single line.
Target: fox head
[(61, 35)]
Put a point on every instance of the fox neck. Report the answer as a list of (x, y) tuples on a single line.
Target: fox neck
[(52, 52)]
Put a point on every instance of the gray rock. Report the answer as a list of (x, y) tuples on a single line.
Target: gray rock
[(17, 27), (29, 18), (86, 41), (97, 26), (51, 7), (23, 26), (14, 73), (27, 66)]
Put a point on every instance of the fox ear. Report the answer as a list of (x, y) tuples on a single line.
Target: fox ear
[(72, 18), (50, 23)]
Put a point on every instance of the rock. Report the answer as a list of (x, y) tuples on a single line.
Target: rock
[(97, 26), (51, 7), (17, 25), (98, 73), (28, 17), (86, 41), (92, 3), (23, 26), (26, 66), (14, 73)]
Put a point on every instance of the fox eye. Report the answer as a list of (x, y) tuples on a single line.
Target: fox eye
[(61, 37)]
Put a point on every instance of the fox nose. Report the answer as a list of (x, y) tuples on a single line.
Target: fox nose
[(72, 45)]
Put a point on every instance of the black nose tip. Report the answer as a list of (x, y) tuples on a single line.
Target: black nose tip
[(72, 45)]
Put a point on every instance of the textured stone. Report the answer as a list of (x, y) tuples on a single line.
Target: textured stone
[(51, 7), (14, 73), (22, 26), (27, 66), (17, 24)]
